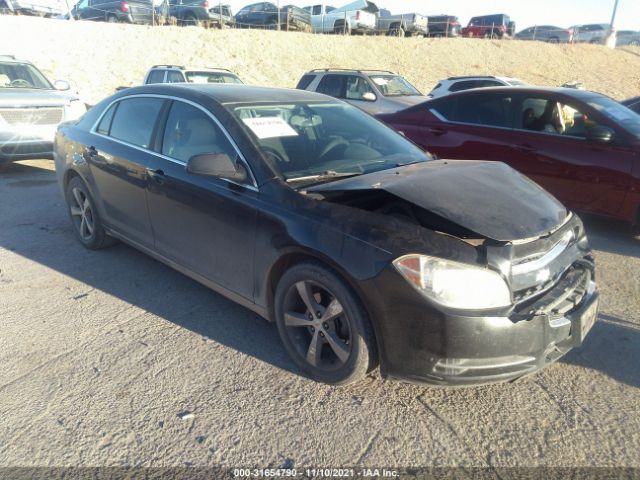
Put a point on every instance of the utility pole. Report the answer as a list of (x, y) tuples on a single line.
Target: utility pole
[(279, 14), (613, 16)]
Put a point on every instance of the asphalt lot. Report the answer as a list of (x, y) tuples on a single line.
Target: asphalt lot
[(105, 353)]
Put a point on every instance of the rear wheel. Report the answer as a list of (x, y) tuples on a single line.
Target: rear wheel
[(112, 19), (323, 325), (554, 40), (84, 216), (192, 20)]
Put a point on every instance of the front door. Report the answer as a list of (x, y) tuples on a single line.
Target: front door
[(205, 224), (551, 135)]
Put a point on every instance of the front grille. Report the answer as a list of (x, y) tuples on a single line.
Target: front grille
[(565, 296), (32, 116)]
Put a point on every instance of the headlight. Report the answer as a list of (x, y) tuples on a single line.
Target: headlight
[(74, 110), (454, 284)]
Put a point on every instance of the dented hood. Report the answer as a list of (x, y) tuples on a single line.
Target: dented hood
[(489, 198)]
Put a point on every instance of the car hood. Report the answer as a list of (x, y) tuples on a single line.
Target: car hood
[(30, 97), (489, 198)]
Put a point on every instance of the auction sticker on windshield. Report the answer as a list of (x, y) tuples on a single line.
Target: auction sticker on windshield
[(270, 127)]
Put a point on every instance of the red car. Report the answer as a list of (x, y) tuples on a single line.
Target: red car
[(581, 146)]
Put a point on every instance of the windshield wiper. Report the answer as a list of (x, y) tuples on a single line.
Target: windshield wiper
[(329, 175)]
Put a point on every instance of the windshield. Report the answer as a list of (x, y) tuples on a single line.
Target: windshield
[(212, 77), (22, 75), (623, 116), (309, 143), (393, 86)]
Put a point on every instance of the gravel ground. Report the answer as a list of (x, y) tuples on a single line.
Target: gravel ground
[(111, 358)]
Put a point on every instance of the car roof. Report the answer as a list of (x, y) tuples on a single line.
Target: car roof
[(231, 93), (12, 59), (570, 92), (349, 70), (469, 77), (189, 68)]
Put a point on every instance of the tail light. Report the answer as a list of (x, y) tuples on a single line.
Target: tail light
[(124, 7), (358, 15), (205, 4)]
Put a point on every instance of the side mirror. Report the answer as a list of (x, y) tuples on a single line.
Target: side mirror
[(369, 97), (217, 165), (62, 85), (600, 134)]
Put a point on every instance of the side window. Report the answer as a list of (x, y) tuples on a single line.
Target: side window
[(463, 85), (305, 81), (356, 88), (488, 110), (333, 85), (268, 7), (174, 76), (445, 107), (189, 131), (105, 123), (156, 76), (550, 116), (487, 83), (135, 119), (317, 10)]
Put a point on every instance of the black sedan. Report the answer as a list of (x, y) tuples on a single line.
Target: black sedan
[(361, 248)]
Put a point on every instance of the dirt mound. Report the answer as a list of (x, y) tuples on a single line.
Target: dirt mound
[(99, 57)]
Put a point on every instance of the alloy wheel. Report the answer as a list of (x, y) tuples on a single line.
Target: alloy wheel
[(82, 213), (317, 325)]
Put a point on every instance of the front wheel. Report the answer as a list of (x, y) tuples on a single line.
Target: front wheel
[(84, 216), (323, 325)]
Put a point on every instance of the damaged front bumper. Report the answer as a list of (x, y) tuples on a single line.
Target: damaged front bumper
[(424, 343)]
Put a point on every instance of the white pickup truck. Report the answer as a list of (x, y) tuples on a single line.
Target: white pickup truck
[(355, 17)]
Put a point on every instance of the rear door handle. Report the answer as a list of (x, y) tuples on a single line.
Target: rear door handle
[(437, 131), (157, 175), (525, 148)]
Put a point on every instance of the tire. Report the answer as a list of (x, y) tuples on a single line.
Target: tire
[(87, 225), (554, 40), (112, 19), (339, 29), (347, 348), (191, 20)]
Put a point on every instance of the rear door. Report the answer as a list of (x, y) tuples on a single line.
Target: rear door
[(120, 159), (473, 126), (550, 138), (204, 224)]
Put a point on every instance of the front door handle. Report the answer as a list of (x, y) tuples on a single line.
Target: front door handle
[(157, 175)]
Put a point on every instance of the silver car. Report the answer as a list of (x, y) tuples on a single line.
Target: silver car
[(592, 33), (31, 108), (546, 33), (373, 91)]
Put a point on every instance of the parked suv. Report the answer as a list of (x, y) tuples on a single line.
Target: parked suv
[(457, 84), (592, 33), (265, 15), (490, 26), (178, 74), (374, 91), (114, 11), (546, 33), (31, 108), (444, 26), (201, 13)]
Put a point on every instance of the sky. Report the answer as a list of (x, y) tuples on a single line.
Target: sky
[(562, 13)]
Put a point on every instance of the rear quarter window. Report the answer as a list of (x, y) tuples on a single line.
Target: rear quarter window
[(156, 76), (305, 81)]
